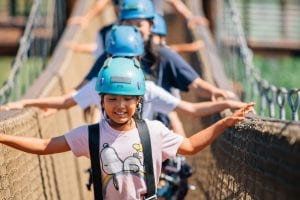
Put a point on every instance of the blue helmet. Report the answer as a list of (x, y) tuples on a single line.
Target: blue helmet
[(159, 25), (124, 40), (136, 9), (121, 76)]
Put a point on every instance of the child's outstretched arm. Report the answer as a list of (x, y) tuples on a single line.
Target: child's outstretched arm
[(187, 47), (201, 109), (92, 13), (58, 102), (207, 90), (184, 11), (88, 48), (35, 145), (200, 140)]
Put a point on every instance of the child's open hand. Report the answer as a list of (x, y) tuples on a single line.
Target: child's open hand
[(239, 115), (12, 106), (235, 104)]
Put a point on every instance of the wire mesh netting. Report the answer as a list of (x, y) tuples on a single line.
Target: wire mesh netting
[(240, 22)]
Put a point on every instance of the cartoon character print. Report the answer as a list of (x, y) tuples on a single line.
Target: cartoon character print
[(113, 165)]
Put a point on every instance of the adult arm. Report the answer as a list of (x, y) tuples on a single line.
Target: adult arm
[(81, 48), (206, 90), (184, 11), (203, 138), (94, 11), (187, 47), (181, 8), (206, 108), (36, 145), (185, 78), (59, 102)]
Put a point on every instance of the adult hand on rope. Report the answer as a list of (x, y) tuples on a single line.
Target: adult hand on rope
[(234, 105), (18, 105), (226, 94), (238, 115), (12, 106)]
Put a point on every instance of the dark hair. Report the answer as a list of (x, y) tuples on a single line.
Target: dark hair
[(116, 2), (152, 53)]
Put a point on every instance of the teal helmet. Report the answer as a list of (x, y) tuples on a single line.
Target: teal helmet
[(124, 40), (136, 9), (121, 76), (159, 25)]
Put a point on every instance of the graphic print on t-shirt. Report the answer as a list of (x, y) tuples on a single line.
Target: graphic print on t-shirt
[(113, 165)]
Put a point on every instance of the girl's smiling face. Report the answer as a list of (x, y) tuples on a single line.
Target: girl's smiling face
[(120, 110)]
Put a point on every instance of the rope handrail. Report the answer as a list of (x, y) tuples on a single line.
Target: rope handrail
[(271, 98)]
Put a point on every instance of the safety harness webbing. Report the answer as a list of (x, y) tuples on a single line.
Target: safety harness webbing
[(94, 141), (147, 153)]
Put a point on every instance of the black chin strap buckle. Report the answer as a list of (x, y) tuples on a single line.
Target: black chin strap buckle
[(90, 182)]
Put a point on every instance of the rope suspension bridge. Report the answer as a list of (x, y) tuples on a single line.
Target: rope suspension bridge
[(44, 25), (258, 159), (271, 101)]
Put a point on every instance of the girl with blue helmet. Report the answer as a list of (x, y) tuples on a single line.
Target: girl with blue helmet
[(123, 172)]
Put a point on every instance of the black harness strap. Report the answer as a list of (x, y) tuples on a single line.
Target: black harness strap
[(147, 153), (94, 141)]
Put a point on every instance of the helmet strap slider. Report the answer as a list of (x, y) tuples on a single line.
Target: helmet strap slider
[(136, 63)]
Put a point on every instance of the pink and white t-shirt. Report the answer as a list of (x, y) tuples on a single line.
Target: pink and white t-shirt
[(121, 156)]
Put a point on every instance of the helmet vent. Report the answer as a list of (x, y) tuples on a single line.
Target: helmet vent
[(120, 79), (139, 85)]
